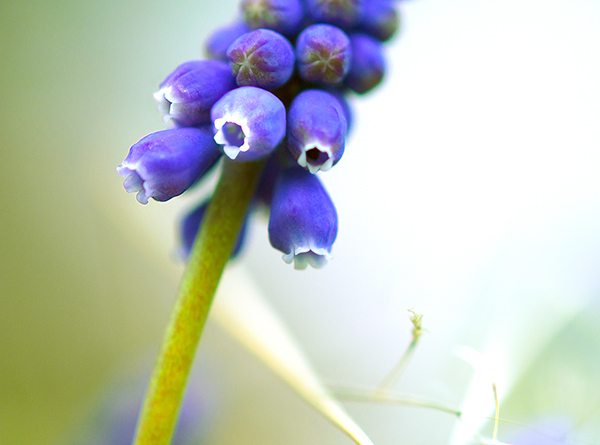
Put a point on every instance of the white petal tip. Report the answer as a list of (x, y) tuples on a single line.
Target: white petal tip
[(231, 151)]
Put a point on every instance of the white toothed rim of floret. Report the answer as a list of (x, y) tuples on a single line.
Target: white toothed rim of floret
[(302, 256), (325, 149), (232, 151)]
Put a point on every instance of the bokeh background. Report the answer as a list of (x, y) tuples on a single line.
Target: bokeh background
[(469, 191)]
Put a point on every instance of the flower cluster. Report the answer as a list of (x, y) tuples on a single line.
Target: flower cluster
[(274, 86)]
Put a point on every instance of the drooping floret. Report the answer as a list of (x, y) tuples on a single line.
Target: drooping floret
[(165, 164), (303, 221), (188, 93)]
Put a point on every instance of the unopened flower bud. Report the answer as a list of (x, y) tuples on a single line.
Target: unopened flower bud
[(323, 54), (261, 58), (342, 13), (368, 63), (283, 16), (380, 19)]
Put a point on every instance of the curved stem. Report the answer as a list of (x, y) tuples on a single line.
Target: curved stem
[(209, 256)]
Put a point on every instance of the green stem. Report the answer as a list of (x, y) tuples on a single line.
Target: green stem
[(209, 256)]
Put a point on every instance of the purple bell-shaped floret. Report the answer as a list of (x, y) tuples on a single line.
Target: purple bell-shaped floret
[(188, 93), (249, 123), (303, 221), (316, 130), (165, 164)]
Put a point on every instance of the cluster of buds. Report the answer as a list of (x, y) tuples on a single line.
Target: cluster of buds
[(273, 86)]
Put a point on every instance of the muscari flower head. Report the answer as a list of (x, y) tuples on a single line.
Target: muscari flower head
[(165, 164), (323, 54), (190, 226), (303, 220), (188, 93), (219, 41), (249, 123), (283, 16), (316, 130), (368, 63), (342, 13), (380, 19), (261, 58)]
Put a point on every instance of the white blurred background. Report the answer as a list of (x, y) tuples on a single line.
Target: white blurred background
[(469, 190)]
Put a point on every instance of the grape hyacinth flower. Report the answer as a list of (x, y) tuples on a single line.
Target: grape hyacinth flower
[(261, 58), (188, 93), (283, 16), (249, 123), (323, 54), (316, 130), (165, 164), (342, 13), (273, 100), (368, 63), (303, 222), (219, 41)]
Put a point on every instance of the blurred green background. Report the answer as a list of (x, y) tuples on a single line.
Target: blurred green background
[(79, 290)]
